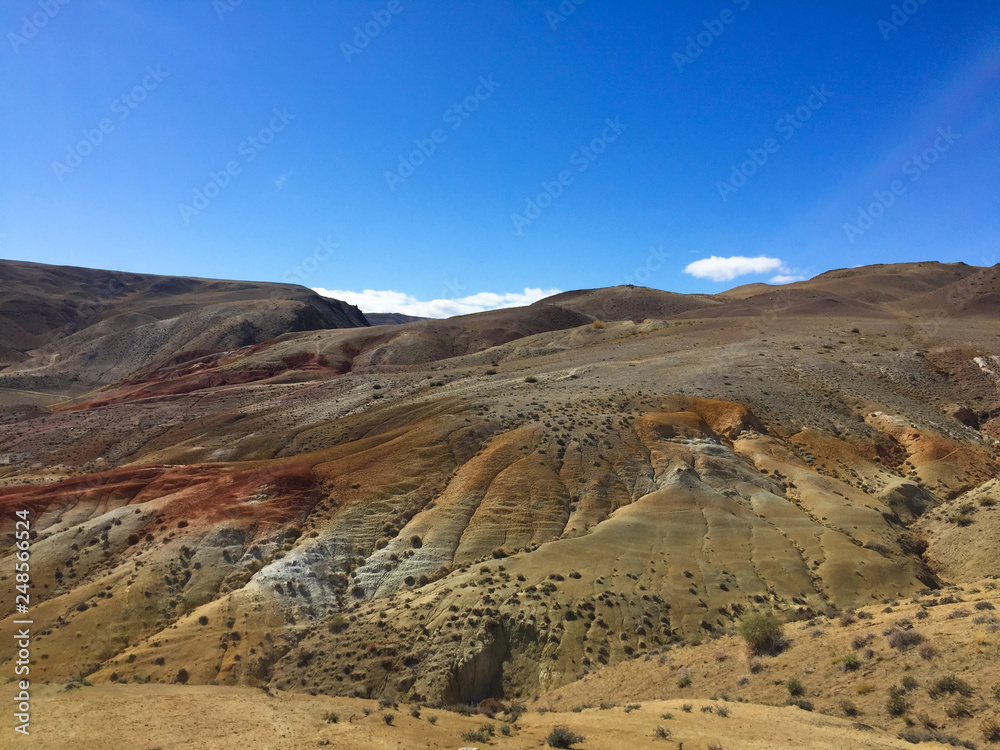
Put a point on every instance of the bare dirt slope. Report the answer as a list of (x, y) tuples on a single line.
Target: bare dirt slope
[(498, 505), (62, 327), (173, 716)]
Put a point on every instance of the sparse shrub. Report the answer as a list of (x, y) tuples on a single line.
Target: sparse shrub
[(916, 736), (668, 716), (597, 325), (366, 711), (684, 681), (720, 655), (531, 379), (182, 676), (958, 613), (722, 711), (846, 618), (515, 711), (714, 746), (203, 620), (707, 709), (864, 688), (851, 663), (903, 640), (561, 737), (959, 708), (478, 735), (632, 707), (388, 717), (909, 683), (984, 605), (415, 712), (990, 727), (661, 733), (762, 633), (926, 721), (926, 651), (950, 684), (331, 717), (416, 542), (490, 707), (801, 703), (896, 703), (505, 730), (753, 665), (848, 708), (337, 623), (432, 720), (795, 687), (686, 708)]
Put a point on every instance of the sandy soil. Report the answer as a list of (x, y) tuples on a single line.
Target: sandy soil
[(170, 717)]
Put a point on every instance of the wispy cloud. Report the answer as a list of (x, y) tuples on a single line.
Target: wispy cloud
[(785, 278), (387, 300), (716, 268), (279, 183)]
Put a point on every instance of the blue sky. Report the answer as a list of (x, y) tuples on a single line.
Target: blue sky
[(449, 157)]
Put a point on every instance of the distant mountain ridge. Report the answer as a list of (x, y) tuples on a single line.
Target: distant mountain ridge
[(64, 324)]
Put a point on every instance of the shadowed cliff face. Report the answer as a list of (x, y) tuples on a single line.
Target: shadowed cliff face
[(455, 510)]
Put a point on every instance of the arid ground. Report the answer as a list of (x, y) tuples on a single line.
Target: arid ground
[(252, 509)]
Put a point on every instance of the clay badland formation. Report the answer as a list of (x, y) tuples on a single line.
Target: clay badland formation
[(239, 485)]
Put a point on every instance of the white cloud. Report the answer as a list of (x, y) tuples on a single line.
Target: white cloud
[(282, 179), (785, 278), (727, 269), (382, 301)]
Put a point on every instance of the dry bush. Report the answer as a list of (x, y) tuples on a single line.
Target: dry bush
[(950, 684), (561, 737), (902, 640), (896, 704), (762, 633), (990, 727)]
